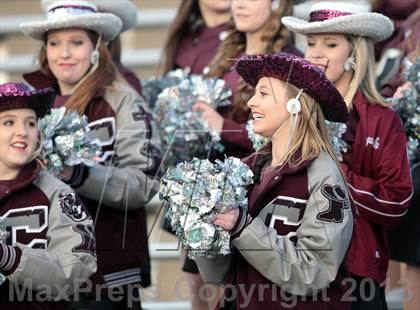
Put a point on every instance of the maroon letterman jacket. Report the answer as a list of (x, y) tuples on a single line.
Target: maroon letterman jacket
[(291, 250), (116, 190), (50, 250)]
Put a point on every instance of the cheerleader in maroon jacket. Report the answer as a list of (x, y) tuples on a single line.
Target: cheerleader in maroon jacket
[(74, 59), (50, 247), (288, 247), (340, 41), (195, 34), (127, 12)]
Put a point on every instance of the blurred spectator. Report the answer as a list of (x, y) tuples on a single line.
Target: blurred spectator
[(398, 11), (407, 39), (195, 34)]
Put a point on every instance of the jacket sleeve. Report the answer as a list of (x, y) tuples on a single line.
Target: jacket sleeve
[(70, 258), (129, 180), (236, 134), (384, 199), (311, 263)]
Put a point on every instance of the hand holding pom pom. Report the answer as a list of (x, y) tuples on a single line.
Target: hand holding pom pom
[(204, 201)]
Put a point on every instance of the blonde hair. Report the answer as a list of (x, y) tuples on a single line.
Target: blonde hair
[(310, 133), (364, 74)]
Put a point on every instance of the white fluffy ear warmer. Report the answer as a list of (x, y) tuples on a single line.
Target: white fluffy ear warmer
[(94, 57), (350, 64), (293, 106), (275, 4)]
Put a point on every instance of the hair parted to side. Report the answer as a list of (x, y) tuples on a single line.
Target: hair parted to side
[(364, 75), (102, 77), (187, 20), (275, 37)]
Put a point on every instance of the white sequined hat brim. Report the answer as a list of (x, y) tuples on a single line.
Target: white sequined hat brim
[(105, 24), (371, 25), (124, 9)]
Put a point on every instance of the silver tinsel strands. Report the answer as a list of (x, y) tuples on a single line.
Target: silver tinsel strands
[(184, 133), (257, 140), (196, 191), (152, 87), (3, 236), (408, 108), (67, 140), (336, 132)]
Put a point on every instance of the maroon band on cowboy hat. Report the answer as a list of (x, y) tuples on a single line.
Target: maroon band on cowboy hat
[(300, 73), (342, 17)]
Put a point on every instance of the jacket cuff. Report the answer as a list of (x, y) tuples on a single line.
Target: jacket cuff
[(79, 176), (241, 222), (9, 258)]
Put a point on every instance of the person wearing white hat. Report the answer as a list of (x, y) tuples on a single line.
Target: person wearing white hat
[(127, 12), (340, 38), (75, 60)]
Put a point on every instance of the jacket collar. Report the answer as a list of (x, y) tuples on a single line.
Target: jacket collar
[(285, 169), (38, 79), (25, 177)]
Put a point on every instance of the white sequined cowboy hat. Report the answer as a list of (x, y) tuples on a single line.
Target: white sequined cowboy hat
[(124, 9), (74, 14), (341, 17)]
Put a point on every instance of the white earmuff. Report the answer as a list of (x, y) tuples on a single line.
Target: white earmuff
[(350, 63), (94, 57), (293, 106), (275, 4)]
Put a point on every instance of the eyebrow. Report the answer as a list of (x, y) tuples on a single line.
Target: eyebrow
[(8, 115), (264, 86), (14, 116), (77, 36), (323, 38)]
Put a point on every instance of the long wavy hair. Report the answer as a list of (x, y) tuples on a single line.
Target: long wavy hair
[(187, 21), (275, 36), (102, 77)]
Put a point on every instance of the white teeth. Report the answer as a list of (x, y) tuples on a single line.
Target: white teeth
[(257, 116), (19, 145)]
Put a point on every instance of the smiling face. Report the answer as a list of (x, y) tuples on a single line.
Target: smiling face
[(68, 56), (329, 52), (250, 15), (18, 139), (268, 106)]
